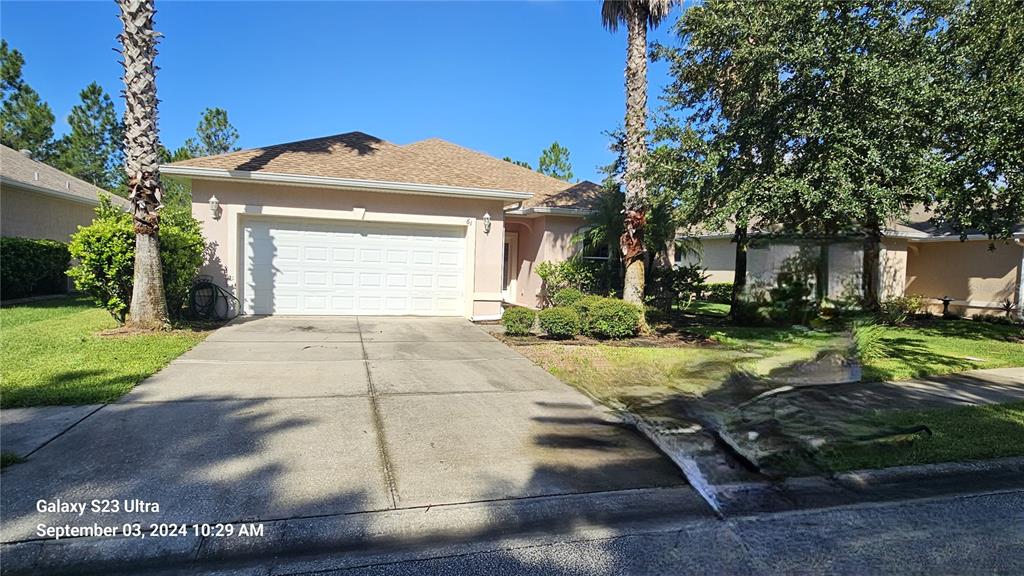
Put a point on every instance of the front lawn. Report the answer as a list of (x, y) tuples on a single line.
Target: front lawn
[(964, 433), (53, 353), (943, 346), (705, 370)]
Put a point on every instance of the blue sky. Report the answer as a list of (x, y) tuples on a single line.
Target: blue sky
[(506, 78)]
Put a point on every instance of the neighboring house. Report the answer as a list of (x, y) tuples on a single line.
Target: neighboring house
[(39, 201), (917, 259), (352, 224)]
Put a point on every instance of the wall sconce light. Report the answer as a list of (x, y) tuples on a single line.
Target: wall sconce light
[(215, 207), (487, 223)]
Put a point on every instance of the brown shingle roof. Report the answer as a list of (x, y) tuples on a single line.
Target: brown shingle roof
[(356, 155), (19, 168)]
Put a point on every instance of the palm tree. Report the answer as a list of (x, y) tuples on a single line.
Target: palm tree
[(142, 161), (637, 15)]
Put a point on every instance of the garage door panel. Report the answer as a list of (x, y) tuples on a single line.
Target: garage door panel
[(294, 267)]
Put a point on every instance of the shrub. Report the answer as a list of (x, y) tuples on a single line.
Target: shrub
[(560, 322), (897, 310), (583, 306), (720, 292), (613, 318), (518, 321), (105, 251), (567, 297), (995, 319), (572, 273), (668, 285), (32, 267), (868, 341)]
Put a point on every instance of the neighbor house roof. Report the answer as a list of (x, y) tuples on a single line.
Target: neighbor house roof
[(356, 156), (18, 169)]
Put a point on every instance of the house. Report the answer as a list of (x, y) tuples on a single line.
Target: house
[(38, 201), (353, 224), (917, 258)]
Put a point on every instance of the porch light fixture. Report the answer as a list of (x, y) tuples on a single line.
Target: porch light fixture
[(487, 222), (215, 207)]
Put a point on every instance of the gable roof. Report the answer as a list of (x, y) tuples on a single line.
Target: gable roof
[(19, 170), (360, 156)]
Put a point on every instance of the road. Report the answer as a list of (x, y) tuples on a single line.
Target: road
[(976, 534)]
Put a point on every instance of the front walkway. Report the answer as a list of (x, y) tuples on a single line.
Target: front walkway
[(284, 417)]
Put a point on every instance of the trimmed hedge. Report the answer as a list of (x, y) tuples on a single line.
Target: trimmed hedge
[(720, 292), (518, 321), (32, 267), (560, 322), (567, 297), (613, 318), (607, 317)]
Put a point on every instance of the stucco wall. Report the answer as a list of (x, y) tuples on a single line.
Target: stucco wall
[(718, 255), (237, 198), (976, 278), (545, 238), (34, 215)]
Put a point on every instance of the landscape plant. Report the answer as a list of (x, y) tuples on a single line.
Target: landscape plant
[(105, 253), (30, 267), (518, 321), (560, 322), (567, 297), (613, 318)]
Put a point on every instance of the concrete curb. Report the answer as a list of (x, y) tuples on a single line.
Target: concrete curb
[(917, 481), (865, 479), (402, 529)]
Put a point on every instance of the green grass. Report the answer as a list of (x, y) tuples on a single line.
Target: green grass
[(942, 347), (958, 434), (8, 458), (53, 354), (631, 375), (703, 308)]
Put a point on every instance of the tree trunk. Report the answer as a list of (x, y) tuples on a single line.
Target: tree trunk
[(635, 205), (148, 308), (872, 263), (739, 283), (821, 272)]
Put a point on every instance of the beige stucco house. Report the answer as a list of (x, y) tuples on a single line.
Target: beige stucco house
[(917, 258), (39, 201), (352, 224)]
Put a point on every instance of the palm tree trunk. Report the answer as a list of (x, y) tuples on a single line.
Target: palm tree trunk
[(148, 309), (635, 206)]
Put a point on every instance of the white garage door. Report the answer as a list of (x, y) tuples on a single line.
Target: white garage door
[(302, 267)]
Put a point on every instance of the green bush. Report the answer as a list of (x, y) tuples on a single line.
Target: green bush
[(583, 306), (32, 267), (897, 310), (560, 322), (572, 273), (996, 319), (518, 321), (105, 251), (720, 292), (567, 297), (613, 318), (868, 340)]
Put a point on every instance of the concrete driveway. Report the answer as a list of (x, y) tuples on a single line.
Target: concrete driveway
[(284, 417)]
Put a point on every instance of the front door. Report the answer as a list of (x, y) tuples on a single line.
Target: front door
[(510, 266)]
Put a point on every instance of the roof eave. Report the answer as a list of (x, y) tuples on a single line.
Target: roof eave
[(6, 181), (538, 211), (193, 172)]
